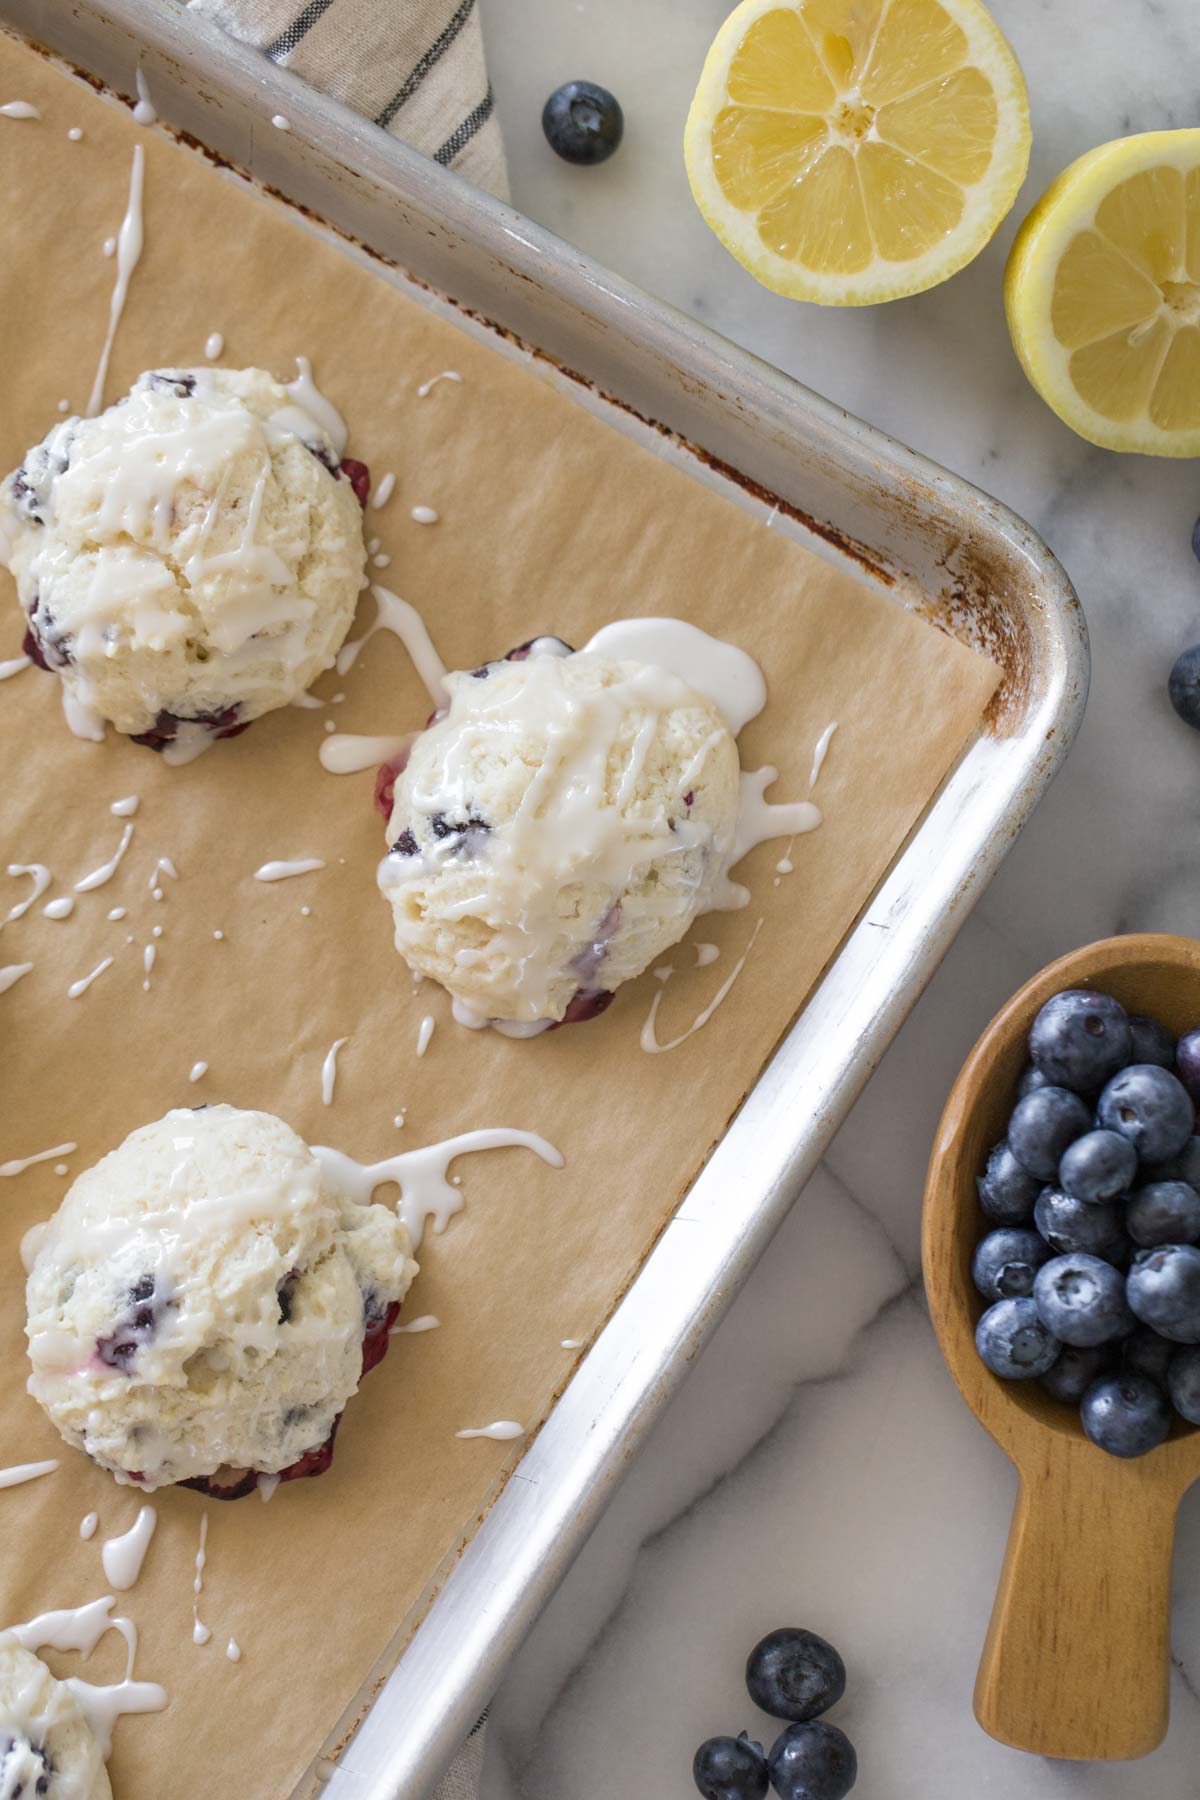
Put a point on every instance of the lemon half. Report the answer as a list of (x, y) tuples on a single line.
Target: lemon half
[(850, 151), (1102, 293)]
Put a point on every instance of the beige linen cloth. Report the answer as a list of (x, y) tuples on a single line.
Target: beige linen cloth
[(416, 68)]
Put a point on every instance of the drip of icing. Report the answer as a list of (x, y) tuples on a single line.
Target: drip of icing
[(73, 1628), (22, 1472), (424, 515), (307, 702), (81, 1628), (125, 809), (233, 1650), (118, 912), (650, 1042), (88, 1525), (385, 487), (19, 109), (163, 866), (280, 871), (122, 1557), (190, 741), (60, 1169), (308, 397), (785, 865), (11, 974), (424, 1034), (197, 1071), (83, 720), (425, 1192), (329, 1070), (820, 753), (76, 137), (705, 954), (39, 874), (214, 344), (281, 122), (346, 754), (85, 981), (571, 1344), (143, 112), (35, 1237), (59, 909), (130, 239), (108, 869), (200, 1631), (500, 1428), (758, 820), (14, 667), (26, 1162), (396, 615), (381, 561), (148, 956), (427, 387), (426, 1322), (266, 1486), (730, 678)]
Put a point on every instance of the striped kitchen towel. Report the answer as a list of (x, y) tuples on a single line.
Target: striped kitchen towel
[(415, 67)]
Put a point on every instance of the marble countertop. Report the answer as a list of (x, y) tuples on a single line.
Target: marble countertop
[(818, 1467)]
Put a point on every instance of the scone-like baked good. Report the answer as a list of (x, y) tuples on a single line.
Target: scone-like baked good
[(205, 1300), (47, 1748), (556, 830), (188, 560)]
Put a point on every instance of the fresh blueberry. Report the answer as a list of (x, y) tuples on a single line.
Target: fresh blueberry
[(1006, 1190), (1003, 1268), (1152, 1042), (1187, 1062), (1013, 1342), (1183, 685), (1068, 1224), (794, 1674), (1151, 1108), (1098, 1166), (1183, 1383), (1031, 1080), (1145, 1353), (1042, 1126), (583, 123), (1079, 1040), (1081, 1300), (812, 1761), (1127, 1415), (1076, 1369), (1164, 1291), (1164, 1212), (726, 1768)]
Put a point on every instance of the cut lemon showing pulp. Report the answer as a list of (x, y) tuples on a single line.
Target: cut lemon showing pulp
[(849, 151), (1102, 293)]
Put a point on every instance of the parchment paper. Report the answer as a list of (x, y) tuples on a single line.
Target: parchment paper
[(552, 522)]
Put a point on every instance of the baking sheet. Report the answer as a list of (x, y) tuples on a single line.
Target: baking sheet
[(548, 522)]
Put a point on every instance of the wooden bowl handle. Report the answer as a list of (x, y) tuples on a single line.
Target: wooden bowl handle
[(1077, 1658)]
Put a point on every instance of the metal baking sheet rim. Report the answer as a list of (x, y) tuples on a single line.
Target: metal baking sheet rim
[(411, 1715)]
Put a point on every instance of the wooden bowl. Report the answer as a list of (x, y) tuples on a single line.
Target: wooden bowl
[(1077, 1657)]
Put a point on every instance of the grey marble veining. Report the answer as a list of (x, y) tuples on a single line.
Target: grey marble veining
[(818, 1466)]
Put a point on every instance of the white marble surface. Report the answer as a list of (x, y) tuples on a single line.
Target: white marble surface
[(818, 1467)]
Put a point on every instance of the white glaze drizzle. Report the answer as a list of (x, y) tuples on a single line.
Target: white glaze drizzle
[(424, 1033), (425, 1192), (571, 1344), (20, 1473), (347, 754), (381, 561), (758, 820), (39, 874), (281, 871), (396, 615), (19, 109), (307, 702), (88, 1525), (705, 954), (329, 1070), (233, 1650), (21, 1163), (427, 387), (62, 908), (85, 981), (11, 973), (426, 1322), (424, 515), (117, 912), (649, 1041), (76, 137), (499, 1428), (126, 807), (214, 345), (200, 1631), (820, 752), (308, 397), (81, 1628), (83, 719), (728, 677), (385, 487), (198, 1071), (266, 1486), (108, 869), (143, 112), (281, 122), (130, 240), (122, 1557), (14, 666), (162, 866)]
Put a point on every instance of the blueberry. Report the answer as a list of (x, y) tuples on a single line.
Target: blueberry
[(794, 1674), (726, 1768), (1152, 1042), (1164, 1291), (1151, 1108), (1076, 1369), (1013, 1342), (1068, 1224), (1127, 1415), (1003, 1268), (1184, 1167), (1183, 686), (1031, 1080), (405, 845), (1079, 1040), (1187, 1062), (583, 123), (1042, 1126), (1006, 1191), (1183, 1383), (1081, 1300), (812, 1761), (1196, 539), (1164, 1212), (1098, 1166), (1145, 1353)]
